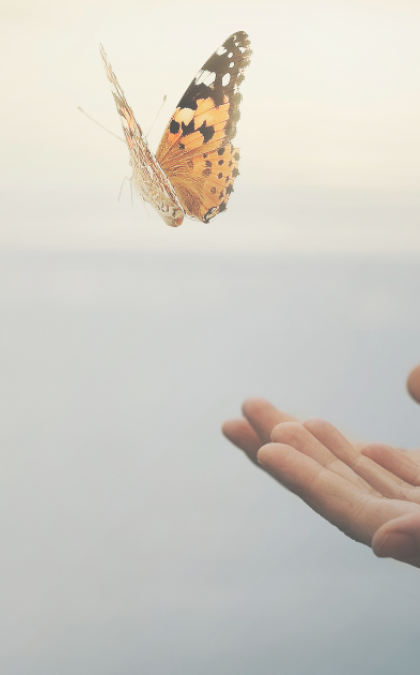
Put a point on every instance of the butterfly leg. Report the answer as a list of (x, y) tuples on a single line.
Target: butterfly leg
[(121, 189)]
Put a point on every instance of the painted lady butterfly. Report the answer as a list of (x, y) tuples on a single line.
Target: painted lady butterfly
[(195, 164)]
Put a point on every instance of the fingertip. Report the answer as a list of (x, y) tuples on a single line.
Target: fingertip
[(413, 384), (398, 545), (286, 432), (398, 538), (253, 404), (243, 436), (265, 454), (275, 456), (368, 448), (276, 431), (227, 428), (236, 430)]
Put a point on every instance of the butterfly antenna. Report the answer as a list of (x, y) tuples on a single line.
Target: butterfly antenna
[(100, 125), (157, 115)]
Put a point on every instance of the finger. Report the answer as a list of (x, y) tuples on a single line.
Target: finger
[(263, 417), (299, 437), (344, 505), (382, 480), (240, 433), (395, 461), (413, 384), (400, 539)]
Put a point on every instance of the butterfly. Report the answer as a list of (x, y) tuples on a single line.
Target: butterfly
[(196, 164)]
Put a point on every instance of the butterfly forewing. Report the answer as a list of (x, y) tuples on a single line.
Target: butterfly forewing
[(148, 178), (195, 152)]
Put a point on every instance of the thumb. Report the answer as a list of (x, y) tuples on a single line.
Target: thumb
[(399, 539), (413, 384)]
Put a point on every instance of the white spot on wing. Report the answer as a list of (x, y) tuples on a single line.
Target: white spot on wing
[(226, 79), (221, 51), (205, 77)]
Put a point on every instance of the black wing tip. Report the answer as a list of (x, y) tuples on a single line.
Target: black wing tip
[(241, 40), (239, 35), (230, 59)]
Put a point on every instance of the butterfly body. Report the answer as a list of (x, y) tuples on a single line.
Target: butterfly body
[(195, 165)]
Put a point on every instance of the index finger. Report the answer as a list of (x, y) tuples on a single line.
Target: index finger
[(263, 417)]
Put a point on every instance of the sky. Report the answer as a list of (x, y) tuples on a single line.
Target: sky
[(329, 130)]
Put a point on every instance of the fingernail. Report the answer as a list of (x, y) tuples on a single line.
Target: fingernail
[(260, 455), (258, 458), (396, 545)]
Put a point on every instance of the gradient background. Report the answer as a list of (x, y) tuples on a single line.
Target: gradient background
[(133, 538)]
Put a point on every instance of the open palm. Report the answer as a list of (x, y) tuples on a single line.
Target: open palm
[(370, 492)]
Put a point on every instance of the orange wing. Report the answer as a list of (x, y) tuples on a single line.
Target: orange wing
[(195, 152)]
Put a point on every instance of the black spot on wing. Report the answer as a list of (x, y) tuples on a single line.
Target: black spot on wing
[(195, 92), (188, 129), (211, 212), (207, 132), (174, 127)]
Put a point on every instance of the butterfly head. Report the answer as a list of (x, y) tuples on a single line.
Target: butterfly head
[(173, 219)]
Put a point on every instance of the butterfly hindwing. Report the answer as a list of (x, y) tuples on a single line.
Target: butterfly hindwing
[(208, 182), (195, 151)]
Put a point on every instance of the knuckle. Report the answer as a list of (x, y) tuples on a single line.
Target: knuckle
[(405, 492)]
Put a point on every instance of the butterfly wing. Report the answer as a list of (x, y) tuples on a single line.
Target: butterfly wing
[(195, 152), (148, 178)]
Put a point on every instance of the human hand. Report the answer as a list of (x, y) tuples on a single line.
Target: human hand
[(373, 496)]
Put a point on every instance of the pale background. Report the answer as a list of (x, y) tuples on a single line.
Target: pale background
[(133, 538), (330, 119)]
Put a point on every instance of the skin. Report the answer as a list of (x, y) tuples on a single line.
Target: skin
[(370, 492)]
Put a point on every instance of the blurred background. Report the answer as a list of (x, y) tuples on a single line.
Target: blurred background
[(133, 537)]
